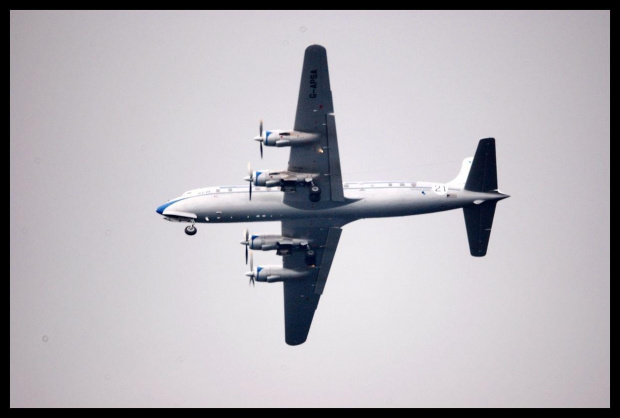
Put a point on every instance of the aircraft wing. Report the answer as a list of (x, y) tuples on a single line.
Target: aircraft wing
[(315, 114), (301, 297)]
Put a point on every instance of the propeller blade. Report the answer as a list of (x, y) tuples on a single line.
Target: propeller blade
[(250, 178), (250, 273), (246, 237), (260, 138)]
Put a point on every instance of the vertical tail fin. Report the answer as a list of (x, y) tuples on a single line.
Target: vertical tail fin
[(459, 181), (482, 178), (483, 174)]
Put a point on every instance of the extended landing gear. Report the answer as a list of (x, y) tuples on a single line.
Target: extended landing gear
[(191, 229), (310, 257), (315, 193), (309, 254), (291, 186)]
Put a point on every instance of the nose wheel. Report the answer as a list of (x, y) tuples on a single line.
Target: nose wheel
[(191, 229)]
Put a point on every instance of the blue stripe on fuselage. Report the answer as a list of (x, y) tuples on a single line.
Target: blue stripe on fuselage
[(163, 207)]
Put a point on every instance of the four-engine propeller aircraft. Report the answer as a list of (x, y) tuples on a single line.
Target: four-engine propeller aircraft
[(313, 204)]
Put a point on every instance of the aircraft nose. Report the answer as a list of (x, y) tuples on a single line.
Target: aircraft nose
[(163, 207)]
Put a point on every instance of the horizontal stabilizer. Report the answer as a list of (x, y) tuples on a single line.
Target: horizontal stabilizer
[(478, 221)]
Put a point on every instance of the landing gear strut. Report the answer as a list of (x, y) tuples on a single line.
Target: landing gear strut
[(191, 229)]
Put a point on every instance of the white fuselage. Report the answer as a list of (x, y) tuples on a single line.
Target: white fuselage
[(227, 204)]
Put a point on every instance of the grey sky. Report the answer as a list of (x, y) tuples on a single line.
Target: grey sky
[(113, 113)]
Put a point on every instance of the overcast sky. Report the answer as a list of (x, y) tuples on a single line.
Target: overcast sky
[(113, 113)]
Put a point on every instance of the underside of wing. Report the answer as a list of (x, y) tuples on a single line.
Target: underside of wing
[(300, 302), (315, 115), (301, 296), (315, 96)]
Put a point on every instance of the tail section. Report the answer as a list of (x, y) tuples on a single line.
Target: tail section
[(482, 178)]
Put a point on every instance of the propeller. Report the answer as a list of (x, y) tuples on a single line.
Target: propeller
[(250, 273), (259, 138), (250, 178), (246, 242)]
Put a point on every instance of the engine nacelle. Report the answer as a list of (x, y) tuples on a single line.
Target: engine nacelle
[(268, 178), (273, 242), (272, 274), (280, 138)]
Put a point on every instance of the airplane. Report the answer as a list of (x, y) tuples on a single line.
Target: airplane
[(311, 201)]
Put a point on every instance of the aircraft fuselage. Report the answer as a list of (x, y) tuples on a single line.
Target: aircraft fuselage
[(230, 204)]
